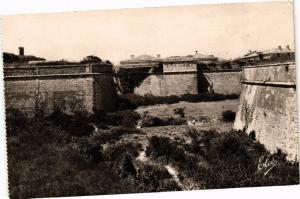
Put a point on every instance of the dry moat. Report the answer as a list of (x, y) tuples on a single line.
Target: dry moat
[(164, 147)]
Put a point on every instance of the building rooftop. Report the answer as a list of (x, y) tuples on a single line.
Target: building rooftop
[(142, 58), (195, 57), (277, 50)]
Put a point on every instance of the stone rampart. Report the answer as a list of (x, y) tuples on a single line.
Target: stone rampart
[(193, 82), (268, 106), (225, 82), (68, 88)]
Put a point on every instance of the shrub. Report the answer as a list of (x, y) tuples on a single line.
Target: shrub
[(126, 118), (132, 101), (252, 135), (153, 178), (76, 125), (151, 121), (125, 102), (124, 167), (98, 116), (179, 111), (233, 159), (165, 148), (228, 116), (112, 135), (113, 153), (16, 122)]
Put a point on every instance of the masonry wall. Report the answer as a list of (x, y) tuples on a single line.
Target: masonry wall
[(180, 83), (66, 88), (152, 85), (168, 84), (105, 93), (223, 82), (67, 95), (268, 106)]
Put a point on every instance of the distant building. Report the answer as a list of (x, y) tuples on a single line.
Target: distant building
[(204, 62), (142, 61), (278, 54), (177, 75)]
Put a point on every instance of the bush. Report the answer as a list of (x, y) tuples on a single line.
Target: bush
[(228, 116), (165, 148), (233, 159), (151, 121), (132, 101), (126, 102), (76, 125), (113, 153), (153, 178), (126, 118), (179, 111), (16, 122), (111, 136)]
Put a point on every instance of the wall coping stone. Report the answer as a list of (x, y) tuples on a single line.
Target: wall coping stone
[(269, 65), (53, 76)]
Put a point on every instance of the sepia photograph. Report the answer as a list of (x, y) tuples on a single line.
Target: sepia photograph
[(143, 100)]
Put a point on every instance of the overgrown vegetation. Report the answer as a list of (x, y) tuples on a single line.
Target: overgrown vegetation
[(179, 111), (62, 155), (91, 154), (151, 121), (232, 159), (228, 116), (132, 101)]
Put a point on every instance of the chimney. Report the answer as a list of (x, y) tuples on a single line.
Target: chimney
[(279, 47), (288, 47), (196, 52), (21, 51), (131, 56), (158, 55)]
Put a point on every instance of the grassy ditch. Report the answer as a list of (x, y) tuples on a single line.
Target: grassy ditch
[(64, 155)]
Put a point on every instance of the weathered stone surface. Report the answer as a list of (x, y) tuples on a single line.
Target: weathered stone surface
[(270, 110), (69, 89), (225, 82), (179, 83), (153, 85)]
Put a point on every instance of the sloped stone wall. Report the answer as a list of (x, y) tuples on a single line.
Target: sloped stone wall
[(152, 85), (105, 93), (268, 106), (224, 82), (179, 83)]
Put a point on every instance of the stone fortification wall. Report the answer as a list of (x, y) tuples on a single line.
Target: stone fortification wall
[(268, 106), (177, 67), (223, 82), (152, 85), (68, 88), (180, 83), (193, 82)]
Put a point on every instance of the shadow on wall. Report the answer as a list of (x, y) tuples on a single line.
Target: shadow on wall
[(203, 84), (130, 78)]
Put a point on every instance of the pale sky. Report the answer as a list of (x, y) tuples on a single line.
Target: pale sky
[(225, 30)]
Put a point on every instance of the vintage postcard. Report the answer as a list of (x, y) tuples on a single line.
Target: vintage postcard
[(150, 99)]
